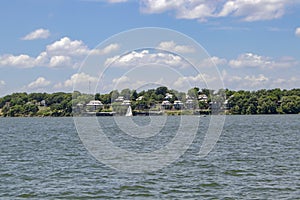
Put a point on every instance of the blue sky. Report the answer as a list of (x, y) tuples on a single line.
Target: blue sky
[(255, 44)]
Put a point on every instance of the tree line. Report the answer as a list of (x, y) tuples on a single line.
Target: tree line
[(272, 101)]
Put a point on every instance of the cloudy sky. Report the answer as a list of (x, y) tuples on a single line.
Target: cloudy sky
[(254, 44)]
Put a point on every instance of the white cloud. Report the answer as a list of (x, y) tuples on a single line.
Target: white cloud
[(194, 9), (80, 80), (250, 60), (121, 80), (255, 10), (65, 46), (286, 82), (2, 83), (184, 82), (256, 80), (297, 32), (263, 62), (22, 60), (108, 49), (138, 58), (57, 61), (249, 82), (37, 34), (62, 53), (173, 47), (39, 83), (213, 61)]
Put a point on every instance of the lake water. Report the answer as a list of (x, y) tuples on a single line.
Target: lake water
[(256, 157)]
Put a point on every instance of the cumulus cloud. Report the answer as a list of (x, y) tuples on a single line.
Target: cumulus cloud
[(250, 60), (255, 10), (37, 34), (80, 80), (213, 61), (62, 53), (173, 47), (137, 82), (256, 80), (285, 82), (39, 83), (297, 32), (2, 83), (263, 62), (108, 49), (121, 80), (138, 58), (188, 81), (57, 61), (17, 61), (249, 82), (184, 9), (201, 10), (66, 46)]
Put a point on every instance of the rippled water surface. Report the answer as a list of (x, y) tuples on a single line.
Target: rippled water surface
[(256, 157)]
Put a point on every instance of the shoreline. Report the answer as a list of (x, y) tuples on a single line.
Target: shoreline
[(117, 115)]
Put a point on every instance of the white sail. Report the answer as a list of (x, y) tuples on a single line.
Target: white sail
[(129, 112)]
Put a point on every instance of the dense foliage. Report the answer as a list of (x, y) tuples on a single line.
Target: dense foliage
[(274, 101)]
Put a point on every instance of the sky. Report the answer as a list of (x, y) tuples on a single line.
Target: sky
[(98, 45)]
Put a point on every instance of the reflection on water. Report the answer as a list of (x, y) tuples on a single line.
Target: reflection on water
[(257, 157)]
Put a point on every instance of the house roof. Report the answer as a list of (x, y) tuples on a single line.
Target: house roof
[(166, 103), (95, 103)]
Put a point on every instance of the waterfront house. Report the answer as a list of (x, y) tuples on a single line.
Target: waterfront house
[(140, 98), (166, 105), (191, 104), (202, 97), (119, 99), (94, 105), (126, 103), (168, 96), (178, 105)]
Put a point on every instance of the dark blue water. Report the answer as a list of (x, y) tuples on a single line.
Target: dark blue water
[(256, 157)]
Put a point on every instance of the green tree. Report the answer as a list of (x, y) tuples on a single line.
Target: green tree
[(126, 93), (161, 90), (134, 95), (290, 104), (114, 95), (193, 93)]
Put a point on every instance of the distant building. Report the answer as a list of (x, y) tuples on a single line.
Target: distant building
[(94, 105), (191, 104), (166, 104), (168, 96), (203, 97), (119, 99), (178, 105), (140, 98), (43, 103), (226, 104), (80, 105), (126, 103)]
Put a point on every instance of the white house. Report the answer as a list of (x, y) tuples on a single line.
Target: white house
[(178, 104), (168, 96), (94, 105), (202, 97), (166, 104), (140, 98), (119, 99), (126, 103), (191, 104)]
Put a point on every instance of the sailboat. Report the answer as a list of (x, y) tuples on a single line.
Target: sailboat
[(129, 112)]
